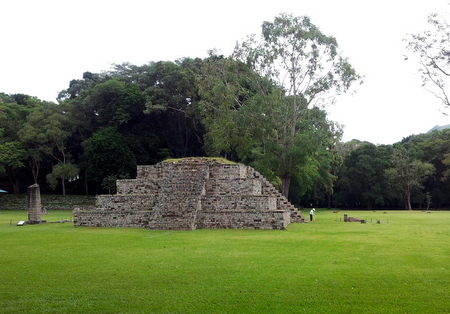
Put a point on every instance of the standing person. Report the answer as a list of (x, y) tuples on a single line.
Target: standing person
[(312, 212)]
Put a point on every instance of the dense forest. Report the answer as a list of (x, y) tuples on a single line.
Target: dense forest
[(261, 106)]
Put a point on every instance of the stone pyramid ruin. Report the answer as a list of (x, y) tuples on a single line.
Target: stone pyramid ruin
[(192, 193)]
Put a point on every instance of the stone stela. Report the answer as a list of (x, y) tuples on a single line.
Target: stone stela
[(192, 193), (34, 205)]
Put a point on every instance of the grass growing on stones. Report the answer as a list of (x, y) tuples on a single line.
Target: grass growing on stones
[(398, 266), (217, 159)]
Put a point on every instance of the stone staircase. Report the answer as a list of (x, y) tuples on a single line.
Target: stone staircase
[(282, 202), (179, 198)]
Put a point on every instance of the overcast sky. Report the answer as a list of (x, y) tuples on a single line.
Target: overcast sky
[(47, 43)]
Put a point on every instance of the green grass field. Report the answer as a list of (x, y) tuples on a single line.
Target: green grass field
[(399, 266)]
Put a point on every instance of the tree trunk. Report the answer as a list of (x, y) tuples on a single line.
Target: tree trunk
[(16, 186), (63, 187), (86, 186), (35, 165), (285, 183), (408, 199), (329, 200), (14, 180)]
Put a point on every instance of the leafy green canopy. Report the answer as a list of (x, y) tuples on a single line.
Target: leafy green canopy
[(107, 154), (408, 173), (250, 110), (362, 181)]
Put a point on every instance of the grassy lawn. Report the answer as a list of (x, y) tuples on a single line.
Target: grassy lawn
[(401, 265)]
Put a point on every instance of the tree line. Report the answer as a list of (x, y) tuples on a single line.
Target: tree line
[(261, 106)]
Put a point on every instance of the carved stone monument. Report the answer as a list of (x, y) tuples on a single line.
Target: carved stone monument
[(34, 204)]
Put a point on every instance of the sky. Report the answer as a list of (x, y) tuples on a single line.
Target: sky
[(47, 43)]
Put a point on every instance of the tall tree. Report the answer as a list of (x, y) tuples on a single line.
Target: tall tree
[(435, 149), (409, 173), (432, 48), (169, 101), (229, 92), (76, 86), (361, 180), (46, 132), (14, 110), (296, 55), (246, 117), (64, 171), (170, 90), (314, 138), (38, 135), (108, 155), (12, 156)]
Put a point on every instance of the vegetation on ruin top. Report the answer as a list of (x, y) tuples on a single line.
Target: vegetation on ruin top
[(216, 159)]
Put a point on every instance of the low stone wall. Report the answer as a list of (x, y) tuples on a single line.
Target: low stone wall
[(48, 202), (242, 220), (173, 220), (112, 218)]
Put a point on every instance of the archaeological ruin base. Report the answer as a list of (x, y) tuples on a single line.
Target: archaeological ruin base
[(192, 193)]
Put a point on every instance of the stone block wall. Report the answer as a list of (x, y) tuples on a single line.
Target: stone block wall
[(138, 186), (238, 186), (112, 218), (151, 172), (189, 194), (126, 202), (242, 203), (227, 171), (235, 219)]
